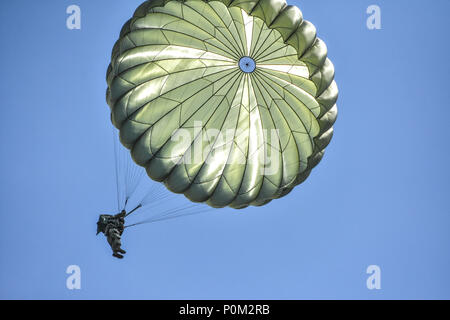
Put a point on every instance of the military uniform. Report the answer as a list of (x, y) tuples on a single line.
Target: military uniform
[(112, 227)]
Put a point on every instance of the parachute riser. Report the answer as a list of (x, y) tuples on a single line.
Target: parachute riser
[(139, 206)]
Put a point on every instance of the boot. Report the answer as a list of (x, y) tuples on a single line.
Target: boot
[(117, 255)]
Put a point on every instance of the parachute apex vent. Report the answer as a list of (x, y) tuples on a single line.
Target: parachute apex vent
[(247, 64)]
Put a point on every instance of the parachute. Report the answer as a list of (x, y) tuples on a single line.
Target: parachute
[(230, 102)]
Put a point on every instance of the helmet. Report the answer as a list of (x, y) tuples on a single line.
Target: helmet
[(102, 222)]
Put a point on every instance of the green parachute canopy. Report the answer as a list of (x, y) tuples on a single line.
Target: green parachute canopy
[(230, 102)]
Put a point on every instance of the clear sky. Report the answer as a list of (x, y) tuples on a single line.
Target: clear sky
[(379, 197)]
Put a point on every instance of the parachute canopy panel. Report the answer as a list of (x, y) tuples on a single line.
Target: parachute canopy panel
[(230, 102)]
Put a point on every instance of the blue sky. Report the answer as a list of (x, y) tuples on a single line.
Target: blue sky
[(380, 196)]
